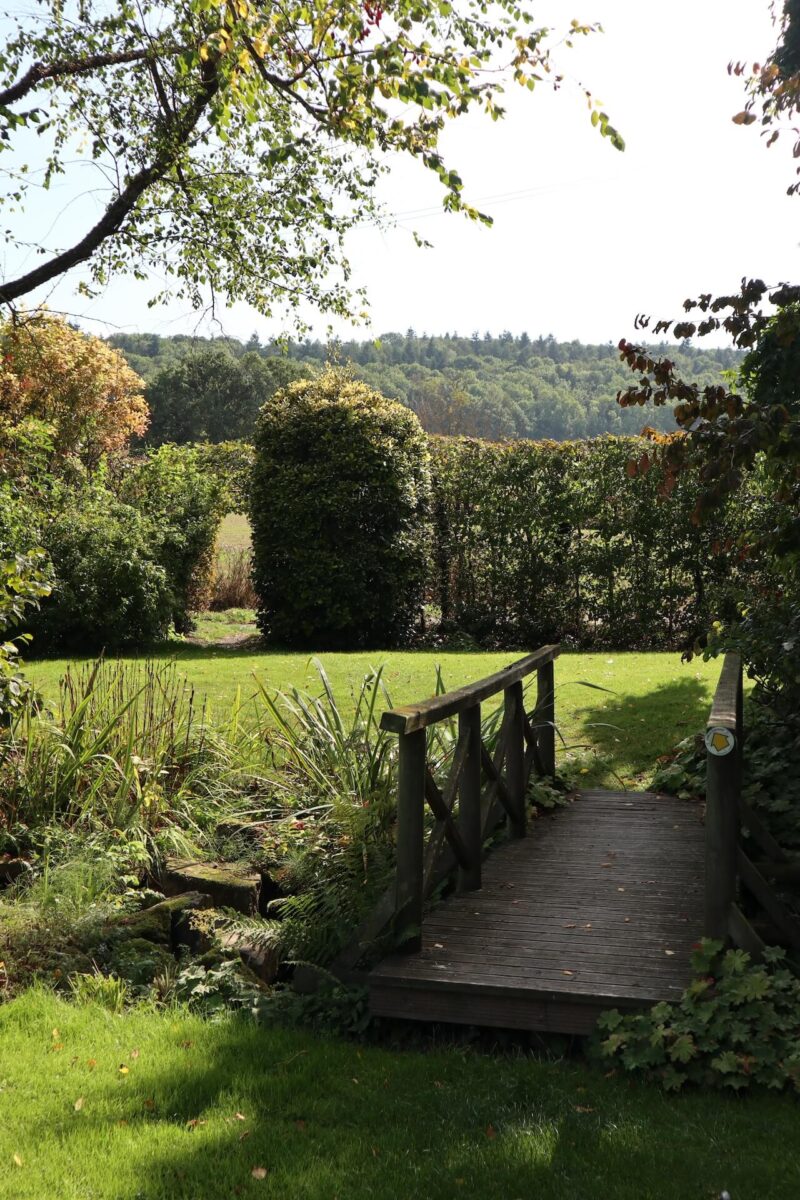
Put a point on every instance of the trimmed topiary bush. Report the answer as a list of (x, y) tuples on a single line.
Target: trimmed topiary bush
[(339, 503)]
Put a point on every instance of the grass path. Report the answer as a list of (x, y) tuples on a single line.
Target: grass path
[(653, 700), (199, 1107)]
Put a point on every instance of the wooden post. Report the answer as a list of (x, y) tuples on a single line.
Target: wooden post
[(723, 790), (469, 798), (410, 834), (515, 755), (546, 717)]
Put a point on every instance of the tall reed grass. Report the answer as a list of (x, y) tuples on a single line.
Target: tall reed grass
[(231, 580)]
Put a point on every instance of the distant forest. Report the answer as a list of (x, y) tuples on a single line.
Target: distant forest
[(479, 386)]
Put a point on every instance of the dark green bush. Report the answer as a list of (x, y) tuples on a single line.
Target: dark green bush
[(338, 507), (108, 592), (183, 503), (735, 1026)]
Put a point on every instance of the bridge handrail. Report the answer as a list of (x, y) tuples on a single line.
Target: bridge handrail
[(724, 737), (410, 717), (485, 787)]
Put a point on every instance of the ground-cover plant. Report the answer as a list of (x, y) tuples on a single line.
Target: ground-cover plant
[(736, 1025)]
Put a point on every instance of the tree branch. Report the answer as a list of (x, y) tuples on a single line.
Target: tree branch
[(39, 72), (116, 213)]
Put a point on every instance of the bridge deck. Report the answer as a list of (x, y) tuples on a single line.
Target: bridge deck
[(596, 908)]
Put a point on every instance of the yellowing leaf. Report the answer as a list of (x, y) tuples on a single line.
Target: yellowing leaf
[(17, 1160), (78, 1105), (259, 1172), (123, 1069)]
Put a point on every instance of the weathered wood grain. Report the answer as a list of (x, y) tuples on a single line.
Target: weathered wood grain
[(598, 908)]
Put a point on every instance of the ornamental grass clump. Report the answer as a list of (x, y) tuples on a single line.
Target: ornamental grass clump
[(339, 505)]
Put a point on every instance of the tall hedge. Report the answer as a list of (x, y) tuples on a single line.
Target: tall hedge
[(541, 541), (339, 502)]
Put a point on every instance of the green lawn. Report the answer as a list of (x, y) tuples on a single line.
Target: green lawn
[(234, 533), (655, 699), (199, 1106)]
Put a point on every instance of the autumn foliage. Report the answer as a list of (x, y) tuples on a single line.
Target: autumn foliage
[(75, 383)]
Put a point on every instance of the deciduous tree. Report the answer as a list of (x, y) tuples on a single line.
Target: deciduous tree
[(237, 142)]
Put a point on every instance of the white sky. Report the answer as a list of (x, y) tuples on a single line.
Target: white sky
[(584, 237)]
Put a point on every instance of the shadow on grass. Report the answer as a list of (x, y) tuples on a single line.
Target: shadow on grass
[(632, 731), (328, 1119)]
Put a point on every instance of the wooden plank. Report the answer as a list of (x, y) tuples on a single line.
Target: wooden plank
[(778, 913), (443, 815), (725, 704), (723, 793), (411, 717), (410, 837), (471, 1008), (515, 757), (759, 833), (743, 934), (469, 798), (546, 715)]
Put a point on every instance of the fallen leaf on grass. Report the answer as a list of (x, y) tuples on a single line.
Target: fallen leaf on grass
[(78, 1105), (259, 1172), (150, 1105), (17, 1160), (186, 1045), (245, 1134), (123, 1070), (239, 1117), (301, 1125), (194, 1122), (91, 1063), (490, 1133), (134, 1054), (584, 1108)]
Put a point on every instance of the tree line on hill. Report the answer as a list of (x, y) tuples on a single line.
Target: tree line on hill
[(481, 386)]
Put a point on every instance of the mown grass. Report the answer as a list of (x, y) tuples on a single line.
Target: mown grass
[(651, 701), (234, 533), (199, 1106)]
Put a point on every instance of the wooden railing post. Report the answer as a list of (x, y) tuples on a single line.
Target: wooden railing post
[(515, 755), (469, 798), (546, 717), (410, 836), (723, 789)]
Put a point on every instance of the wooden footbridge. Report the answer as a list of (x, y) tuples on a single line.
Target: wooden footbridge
[(597, 907)]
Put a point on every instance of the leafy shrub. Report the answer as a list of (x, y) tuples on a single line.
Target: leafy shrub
[(541, 541), (736, 1024), (232, 465), (184, 504), (24, 582), (338, 507), (107, 590)]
